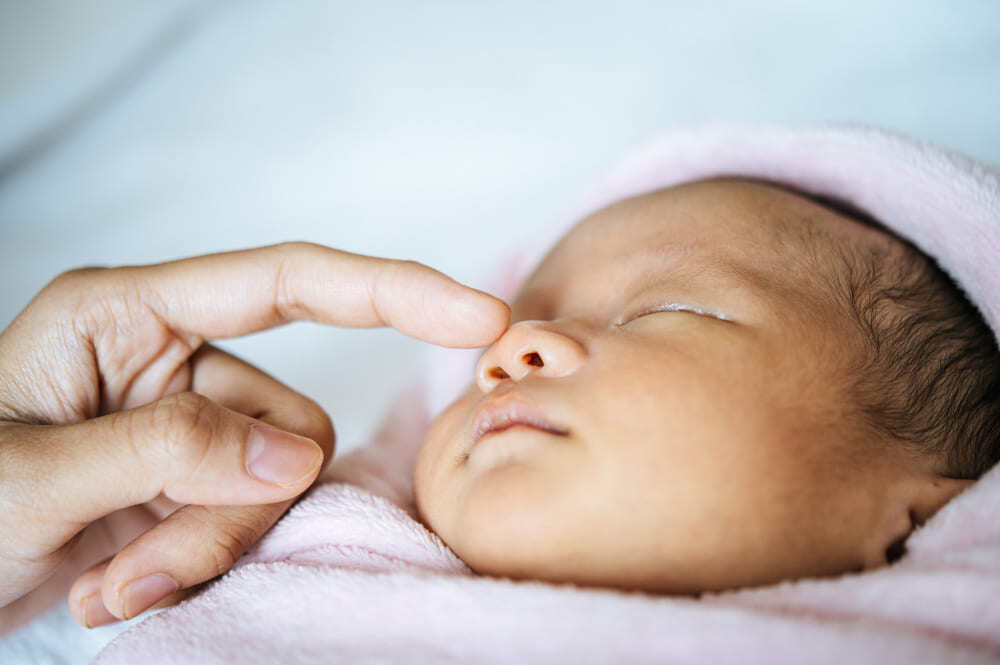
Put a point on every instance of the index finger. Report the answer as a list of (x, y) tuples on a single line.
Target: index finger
[(236, 293)]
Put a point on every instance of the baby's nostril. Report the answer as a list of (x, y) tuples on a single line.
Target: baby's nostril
[(498, 373), (533, 359)]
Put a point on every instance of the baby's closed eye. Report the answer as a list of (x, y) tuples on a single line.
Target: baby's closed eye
[(673, 307)]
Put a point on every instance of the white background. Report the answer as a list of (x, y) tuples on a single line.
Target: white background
[(446, 132)]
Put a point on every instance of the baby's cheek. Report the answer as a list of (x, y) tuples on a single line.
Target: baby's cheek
[(435, 476), (501, 524), (427, 482)]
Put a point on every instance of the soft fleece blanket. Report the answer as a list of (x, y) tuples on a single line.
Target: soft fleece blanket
[(349, 575)]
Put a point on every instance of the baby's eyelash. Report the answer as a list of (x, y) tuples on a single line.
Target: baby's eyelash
[(680, 307), (676, 307)]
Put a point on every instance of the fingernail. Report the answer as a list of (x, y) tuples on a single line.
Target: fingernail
[(94, 612), (278, 457), (141, 594)]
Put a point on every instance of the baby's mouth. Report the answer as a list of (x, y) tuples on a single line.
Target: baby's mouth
[(504, 413)]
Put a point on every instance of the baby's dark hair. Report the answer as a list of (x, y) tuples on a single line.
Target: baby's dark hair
[(929, 370)]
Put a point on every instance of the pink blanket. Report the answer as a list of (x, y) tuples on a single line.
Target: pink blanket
[(348, 575)]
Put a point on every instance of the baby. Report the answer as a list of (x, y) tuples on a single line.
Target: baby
[(715, 385)]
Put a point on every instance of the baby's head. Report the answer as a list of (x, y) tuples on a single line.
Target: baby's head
[(715, 385)]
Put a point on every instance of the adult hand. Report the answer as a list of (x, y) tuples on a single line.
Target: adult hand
[(110, 398)]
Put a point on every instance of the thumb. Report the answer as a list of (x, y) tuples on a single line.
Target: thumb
[(184, 446)]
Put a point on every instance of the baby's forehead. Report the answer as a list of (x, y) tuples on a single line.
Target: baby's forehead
[(735, 233), (739, 210)]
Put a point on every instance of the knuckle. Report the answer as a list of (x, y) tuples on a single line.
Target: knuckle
[(287, 304), (90, 298), (403, 273), (295, 247), (406, 269), (229, 541), (72, 279), (223, 534), (75, 287), (410, 264), (126, 426), (227, 547), (185, 424), (285, 301)]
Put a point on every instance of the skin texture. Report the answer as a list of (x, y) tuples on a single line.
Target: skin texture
[(689, 361)]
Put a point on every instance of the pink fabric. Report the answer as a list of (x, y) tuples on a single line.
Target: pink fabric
[(350, 576)]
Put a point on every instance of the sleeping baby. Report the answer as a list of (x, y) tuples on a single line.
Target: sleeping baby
[(727, 376), (714, 385)]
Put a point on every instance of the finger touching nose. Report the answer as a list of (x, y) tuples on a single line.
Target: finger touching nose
[(528, 349)]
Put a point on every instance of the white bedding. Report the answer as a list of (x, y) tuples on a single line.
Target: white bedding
[(443, 132)]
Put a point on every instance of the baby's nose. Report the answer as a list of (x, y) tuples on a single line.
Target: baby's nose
[(527, 348)]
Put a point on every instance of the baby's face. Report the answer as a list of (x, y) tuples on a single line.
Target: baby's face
[(666, 412)]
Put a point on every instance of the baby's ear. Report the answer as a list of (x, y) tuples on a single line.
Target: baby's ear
[(911, 503)]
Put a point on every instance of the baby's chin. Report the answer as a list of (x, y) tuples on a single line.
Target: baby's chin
[(498, 532), (564, 569)]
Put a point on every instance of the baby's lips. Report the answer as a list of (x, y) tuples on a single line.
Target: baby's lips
[(499, 414)]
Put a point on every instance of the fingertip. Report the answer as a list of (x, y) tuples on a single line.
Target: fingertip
[(496, 319), (94, 613), (143, 593), (84, 599), (282, 458), (478, 320)]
